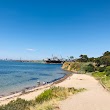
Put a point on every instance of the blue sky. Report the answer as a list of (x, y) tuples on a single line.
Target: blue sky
[(36, 29)]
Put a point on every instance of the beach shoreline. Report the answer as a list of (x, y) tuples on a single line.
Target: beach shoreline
[(14, 95), (88, 100)]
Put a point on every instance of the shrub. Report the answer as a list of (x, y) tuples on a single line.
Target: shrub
[(19, 104), (107, 70), (101, 69), (49, 107), (52, 93), (89, 68), (45, 96), (74, 91), (59, 93)]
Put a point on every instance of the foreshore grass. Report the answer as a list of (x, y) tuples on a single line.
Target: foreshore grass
[(45, 101), (58, 93), (46, 105), (19, 104), (105, 80)]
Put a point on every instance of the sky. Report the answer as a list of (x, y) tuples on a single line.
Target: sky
[(36, 29)]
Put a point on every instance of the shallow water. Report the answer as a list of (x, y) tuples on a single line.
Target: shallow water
[(15, 76)]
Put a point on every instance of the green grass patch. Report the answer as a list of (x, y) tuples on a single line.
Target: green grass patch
[(103, 78), (106, 81), (58, 93), (19, 104), (99, 75)]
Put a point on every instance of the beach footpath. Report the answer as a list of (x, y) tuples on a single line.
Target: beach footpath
[(94, 98)]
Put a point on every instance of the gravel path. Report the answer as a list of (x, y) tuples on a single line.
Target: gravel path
[(95, 98)]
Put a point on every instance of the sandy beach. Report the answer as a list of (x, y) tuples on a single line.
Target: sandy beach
[(94, 98), (31, 93)]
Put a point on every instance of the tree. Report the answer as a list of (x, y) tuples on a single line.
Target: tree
[(92, 59), (98, 61), (105, 60), (83, 58), (71, 58), (107, 53)]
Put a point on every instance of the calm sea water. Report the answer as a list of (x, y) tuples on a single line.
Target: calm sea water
[(15, 76)]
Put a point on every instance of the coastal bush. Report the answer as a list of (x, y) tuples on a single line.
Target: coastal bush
[(83, 58), (59, 93), (101, 69), (99, 75), (89, 68), (19, 104), (105, 60), (71, 66), (83, 67), (45, 96), (104, 79), (45, 101), (75, 66), (52, 93), (48, 105), (107, 70)]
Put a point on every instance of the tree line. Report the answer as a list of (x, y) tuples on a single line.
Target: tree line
[(102, 60)]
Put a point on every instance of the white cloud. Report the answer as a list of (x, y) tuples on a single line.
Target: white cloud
[(30, 49)]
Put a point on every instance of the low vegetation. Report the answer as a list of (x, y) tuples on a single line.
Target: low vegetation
[(80, 67), (58, 93), (45, 101), (103, 78), (72, 66), (19, 104), (99, 67)]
